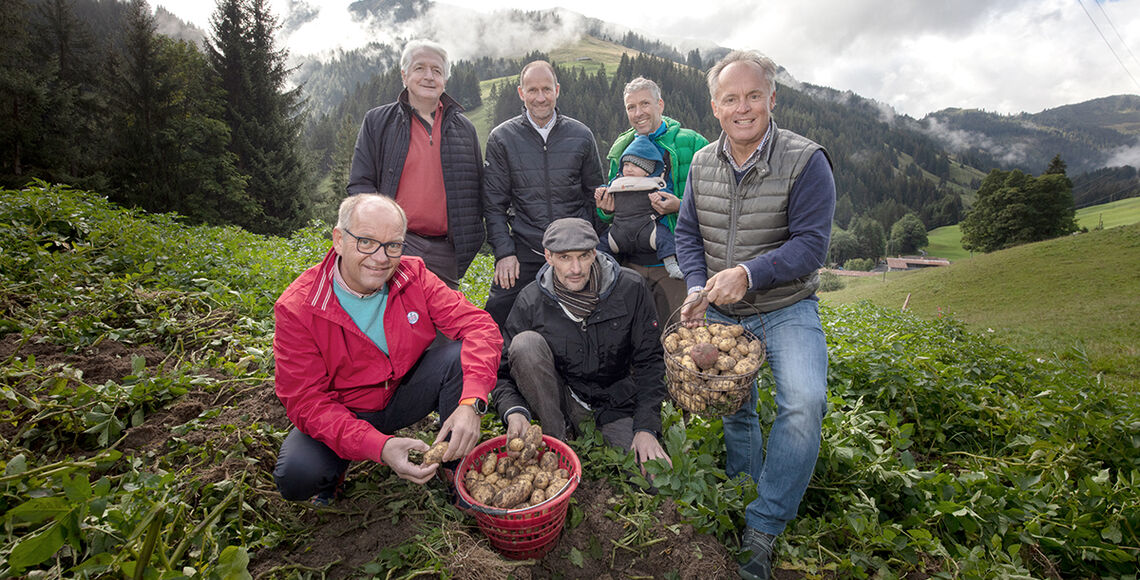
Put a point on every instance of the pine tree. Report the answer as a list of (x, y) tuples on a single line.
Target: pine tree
[(169, 142), (263, 114), (22, 93)]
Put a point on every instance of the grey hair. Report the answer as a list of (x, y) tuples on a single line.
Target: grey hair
[(347, 211), (642, 84), (414, 46), (767, 66)]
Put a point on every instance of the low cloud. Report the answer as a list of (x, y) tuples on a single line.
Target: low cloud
[(1129, 155)]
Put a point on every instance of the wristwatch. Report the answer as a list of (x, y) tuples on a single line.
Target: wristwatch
[(478, 405)]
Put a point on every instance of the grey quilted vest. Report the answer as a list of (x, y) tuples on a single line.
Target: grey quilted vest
[(740, 222)]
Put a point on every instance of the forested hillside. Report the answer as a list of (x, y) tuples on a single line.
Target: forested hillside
[(233, 130)]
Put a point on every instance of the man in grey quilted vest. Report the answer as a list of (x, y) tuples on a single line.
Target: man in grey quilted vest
[(752, 232)]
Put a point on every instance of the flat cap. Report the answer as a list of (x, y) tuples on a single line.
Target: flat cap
[(569, 235)]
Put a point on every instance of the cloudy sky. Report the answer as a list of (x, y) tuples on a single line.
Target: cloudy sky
[(915, 55)]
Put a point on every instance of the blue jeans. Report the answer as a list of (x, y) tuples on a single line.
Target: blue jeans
[(797, 353)]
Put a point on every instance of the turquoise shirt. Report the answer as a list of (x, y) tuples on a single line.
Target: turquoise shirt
[(367, 312)]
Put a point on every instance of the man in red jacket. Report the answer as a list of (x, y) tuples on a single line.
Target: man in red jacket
[(353, 363)]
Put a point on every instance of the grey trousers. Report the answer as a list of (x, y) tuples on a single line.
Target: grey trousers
[(548, 396)]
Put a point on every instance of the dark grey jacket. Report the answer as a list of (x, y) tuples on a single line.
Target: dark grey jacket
[(538, 182), (613, 361), (378, 162)]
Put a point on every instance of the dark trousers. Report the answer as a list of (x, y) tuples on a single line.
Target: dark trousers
[(501, 300), (306, 467), (549, 399), (438, 255)]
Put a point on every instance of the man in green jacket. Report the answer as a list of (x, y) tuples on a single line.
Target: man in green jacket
[(644, 107)]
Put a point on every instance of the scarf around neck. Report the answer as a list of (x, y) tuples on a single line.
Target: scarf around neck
[(583, 302)]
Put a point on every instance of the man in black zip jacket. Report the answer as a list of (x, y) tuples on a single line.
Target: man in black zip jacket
[(422, 151), (541, 166), (582, 342)]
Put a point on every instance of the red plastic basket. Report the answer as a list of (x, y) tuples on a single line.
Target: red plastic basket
[(525, 533)]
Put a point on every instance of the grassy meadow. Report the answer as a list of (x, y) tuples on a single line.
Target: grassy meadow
[(1073, 297)]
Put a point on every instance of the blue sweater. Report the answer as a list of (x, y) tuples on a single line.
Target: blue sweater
[(810, 207)]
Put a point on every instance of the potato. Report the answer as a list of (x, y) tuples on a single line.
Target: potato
[(687, 362), (725, 344), (504, 463), (435, 454), (525, 477), (756, 347), (671, 342), (516, 444), (502, 483), (513, 494), (561, 473), (533, 435), (555, 487), (717, 329), (704, 354), (490, 462), (512, 472), (734, 330), (548, 462), (738, 352), (529, 454), (482, 493), (537, 496), (541, 480), (702, 334), (685, 332), (746, 366), (532, 469), (725, 363)]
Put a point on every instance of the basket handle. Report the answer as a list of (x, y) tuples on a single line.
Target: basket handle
[(702, 294)]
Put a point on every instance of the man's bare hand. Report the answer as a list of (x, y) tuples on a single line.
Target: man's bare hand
[(507, 271), (693, 309), (727, 286), (604, 199), (664, 202), (395, 455), (516, 425), (463, 426), (646, 448)]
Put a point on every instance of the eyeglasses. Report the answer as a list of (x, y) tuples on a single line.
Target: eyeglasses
[(371, 246)]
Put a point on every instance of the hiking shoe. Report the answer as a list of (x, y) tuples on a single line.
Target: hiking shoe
[(759, 544)]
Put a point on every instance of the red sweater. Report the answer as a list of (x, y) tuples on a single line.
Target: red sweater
[(327, 368)]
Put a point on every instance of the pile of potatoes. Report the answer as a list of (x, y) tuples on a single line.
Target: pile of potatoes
[(522, 478), (711, 367)]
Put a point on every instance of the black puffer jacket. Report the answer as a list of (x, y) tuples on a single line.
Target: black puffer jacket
[(378, 162), (539, 182), (614, 361)]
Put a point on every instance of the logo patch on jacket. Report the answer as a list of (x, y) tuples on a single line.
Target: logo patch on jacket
[(413, 317)]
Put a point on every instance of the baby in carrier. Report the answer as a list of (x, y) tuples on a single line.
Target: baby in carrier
[(637, 228)]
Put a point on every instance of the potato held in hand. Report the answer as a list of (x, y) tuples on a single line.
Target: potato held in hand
[(435, 454)]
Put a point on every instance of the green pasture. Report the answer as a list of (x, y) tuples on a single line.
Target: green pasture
[(1073, 297)]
